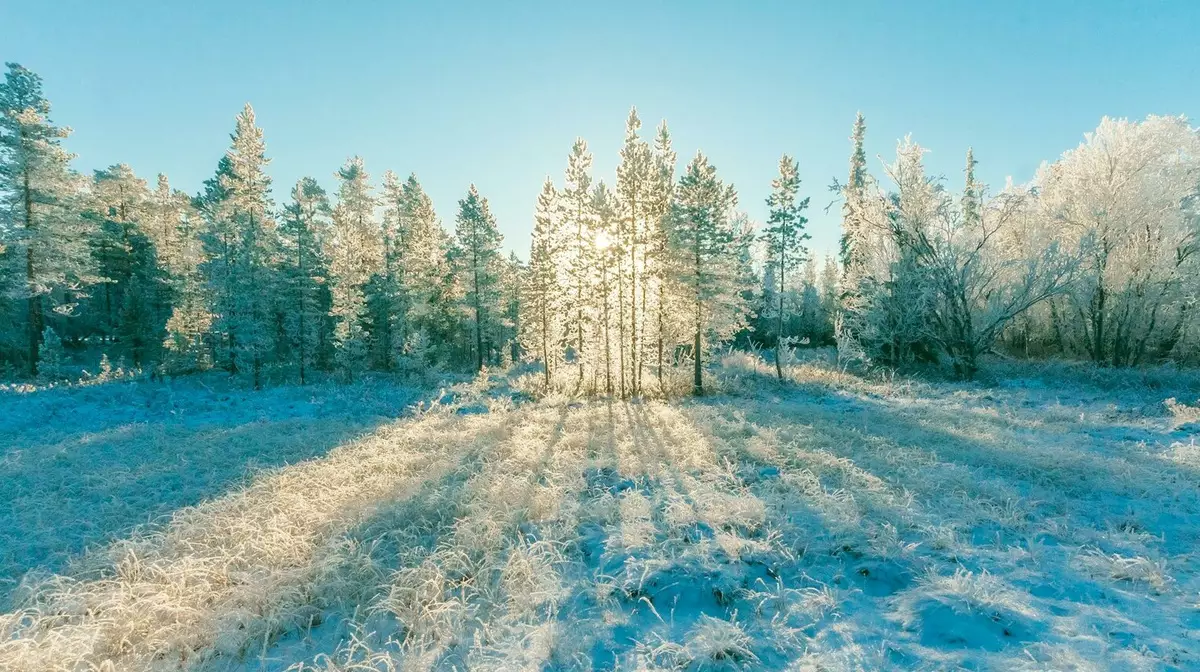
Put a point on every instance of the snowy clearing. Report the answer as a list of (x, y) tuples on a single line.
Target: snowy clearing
[(1049, 520)]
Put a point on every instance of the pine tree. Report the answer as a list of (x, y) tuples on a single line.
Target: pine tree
[(116, 203), (388, 297), (784, 239), (47, 238), (707, 254), (174, 227), (634, 184), (355, 256), (512, 277), (608, 256), (660, 197), (220, 240), (578, 215), (131, 301), (478, 248), (303, 235), (543, 288)]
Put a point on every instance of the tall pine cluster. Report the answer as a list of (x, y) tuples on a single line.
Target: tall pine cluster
[(165, 283)]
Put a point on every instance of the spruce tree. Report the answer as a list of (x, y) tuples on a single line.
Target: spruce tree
[(853, 193), (784, 241), (848, 322)]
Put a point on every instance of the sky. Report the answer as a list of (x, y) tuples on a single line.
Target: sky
[(495, 93)]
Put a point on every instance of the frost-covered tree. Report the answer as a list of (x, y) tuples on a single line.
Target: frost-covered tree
[(848, 319), (175, 228), (248, 314), (427, 276), (303, 233), (853, 193), (131, 302), (508, 327), (707, 254), (241, 251), (810, 314), (784, 239), (543, 295), (387, 298), (477, 254), (1119, 199), (635, 176), (658, 256), (355, 252), (607, 255), (116, 203), (830, 297), (45, 240), (578, 216), (939, 280)]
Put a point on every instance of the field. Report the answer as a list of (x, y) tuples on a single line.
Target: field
[(1046, 518)]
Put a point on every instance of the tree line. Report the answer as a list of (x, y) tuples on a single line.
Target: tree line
[(627, 282)]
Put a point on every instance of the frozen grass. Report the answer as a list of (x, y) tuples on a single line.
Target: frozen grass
[(832, 523), (83, 465)]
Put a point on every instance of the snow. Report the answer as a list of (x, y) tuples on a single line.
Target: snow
[(1047, 518)]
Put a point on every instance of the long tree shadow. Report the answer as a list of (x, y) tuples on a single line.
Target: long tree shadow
[(83, 467), (928, 454)]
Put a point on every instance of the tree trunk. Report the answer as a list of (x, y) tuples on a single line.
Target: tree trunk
[(34, 304), (621, 323), (697, 372), (697, 377), (303, 301), (478, 325), (607, 343), (779, 331), (545, 343), (633, 349)]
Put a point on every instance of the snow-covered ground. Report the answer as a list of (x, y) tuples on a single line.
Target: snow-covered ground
[(1047, 519)]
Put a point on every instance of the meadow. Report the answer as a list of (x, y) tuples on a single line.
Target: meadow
[(1044, 517)]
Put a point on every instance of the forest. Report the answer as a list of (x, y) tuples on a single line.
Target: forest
[(628, 282)]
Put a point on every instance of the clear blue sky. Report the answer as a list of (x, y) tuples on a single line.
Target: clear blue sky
[(493, 93)]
